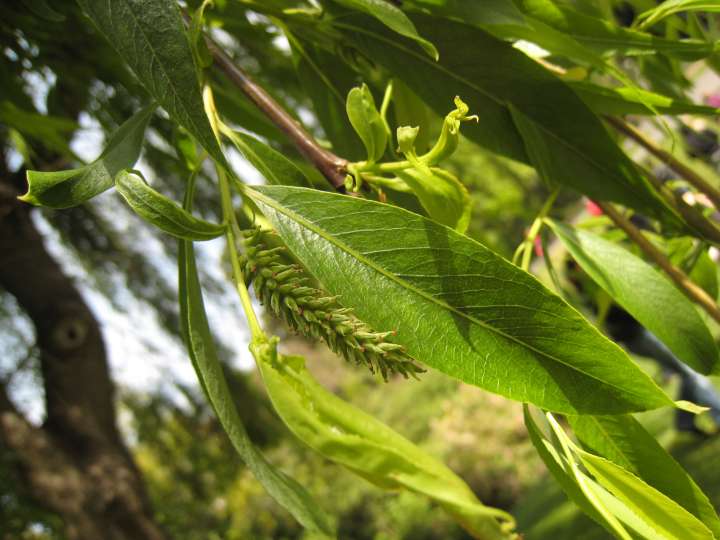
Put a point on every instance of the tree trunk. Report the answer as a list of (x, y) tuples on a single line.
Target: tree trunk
[(75, 464)]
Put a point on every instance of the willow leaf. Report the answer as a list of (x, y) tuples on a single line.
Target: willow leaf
[(645, 293), (621, 101), (201, 347), (671, 7), (624, 441), (150, 37), (392, 17), (63, 189), (345, 434), (162, 212), (457, 306), (662, 515)]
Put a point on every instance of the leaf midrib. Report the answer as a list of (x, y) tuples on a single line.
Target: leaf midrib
[(311, 226), (178, 102)]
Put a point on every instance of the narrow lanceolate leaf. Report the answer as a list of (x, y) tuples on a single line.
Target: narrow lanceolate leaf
[(345, 434), (392, 17), (561, 469), (645, 294), (671, 7), (201, 347), (621, 101), (606, 37), (493, 77), (625, 442), (457, 306), (150, 37), (63, 189), (276, 168), (162, 212), (660, 514)]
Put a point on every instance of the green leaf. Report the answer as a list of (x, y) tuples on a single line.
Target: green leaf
[(366, 121), (63, 189), (561, 469), (347, 435), (201, 347), (457, 306), (621, 101), (666, 518), (671, 7), (392, 17), (162, 212), (150, 37), (492, 76), (485, 13), (276, 168), (606, 37), (645, 294), (624, 441)]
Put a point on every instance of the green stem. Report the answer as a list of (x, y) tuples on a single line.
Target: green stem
[(232, 234), (526, 248), (232, 230)]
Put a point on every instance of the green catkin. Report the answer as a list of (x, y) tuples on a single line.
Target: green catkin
[(314, 313)]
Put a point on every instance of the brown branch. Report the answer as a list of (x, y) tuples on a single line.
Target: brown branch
[(666, 157), (692, 216), (684, 283), (332, 167)]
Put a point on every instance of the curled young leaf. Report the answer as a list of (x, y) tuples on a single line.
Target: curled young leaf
[(162, 212), (366, 121), (63, 189), (347, 435)]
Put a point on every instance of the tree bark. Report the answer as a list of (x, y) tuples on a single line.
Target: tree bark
[(76, 463)]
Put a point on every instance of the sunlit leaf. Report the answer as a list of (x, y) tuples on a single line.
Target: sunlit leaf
[(664, 517), (201, 347), (345, 434), (624, 441), (456, 305), (366, 121)]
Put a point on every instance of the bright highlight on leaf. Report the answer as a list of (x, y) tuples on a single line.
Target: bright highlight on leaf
[(345, 434), (457, 306)]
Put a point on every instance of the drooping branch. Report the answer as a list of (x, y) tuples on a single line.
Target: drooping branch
[(684, 283), (332, 167), (693, 178)]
